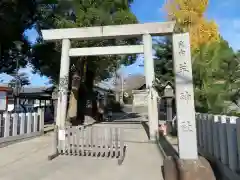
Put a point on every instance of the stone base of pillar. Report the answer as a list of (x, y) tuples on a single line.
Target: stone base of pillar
[(152, 139), (169, 127), (187, 169), (170, 171)]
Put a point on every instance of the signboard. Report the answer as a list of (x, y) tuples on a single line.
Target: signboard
[(187, 140), (3, 100)]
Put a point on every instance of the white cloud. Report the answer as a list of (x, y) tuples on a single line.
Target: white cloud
[(5, 78), (35, 79)]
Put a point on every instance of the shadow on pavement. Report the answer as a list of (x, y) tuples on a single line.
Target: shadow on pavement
[(146, 128)]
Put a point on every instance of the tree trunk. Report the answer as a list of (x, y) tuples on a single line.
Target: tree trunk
[(90, 75), (81, 104), (80, 92), (72, 116)]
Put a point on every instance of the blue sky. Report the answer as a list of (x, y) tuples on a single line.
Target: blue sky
[(226, 13)]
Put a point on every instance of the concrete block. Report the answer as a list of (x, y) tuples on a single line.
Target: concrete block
[(170, 169), (177, 169)]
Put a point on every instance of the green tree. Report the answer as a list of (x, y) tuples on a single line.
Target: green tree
[(163, 61), (232, 80), (15, 17), (22, 77), (211, 78), (75, 13)]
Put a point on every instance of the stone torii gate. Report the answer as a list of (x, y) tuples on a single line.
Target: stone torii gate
[(182, 69)]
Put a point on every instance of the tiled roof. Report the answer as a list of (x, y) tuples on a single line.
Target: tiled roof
[(33, 89)]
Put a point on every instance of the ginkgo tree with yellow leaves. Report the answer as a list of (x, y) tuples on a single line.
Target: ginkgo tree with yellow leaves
[(189, 16), (215, 68)]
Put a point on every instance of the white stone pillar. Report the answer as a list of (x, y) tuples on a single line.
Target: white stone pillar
[(117, 96), (187, 137), (150, 76), (41, 113), (63, 84)]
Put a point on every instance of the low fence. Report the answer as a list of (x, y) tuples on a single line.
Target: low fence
[(105, 142), (16, 126), (219, 138)]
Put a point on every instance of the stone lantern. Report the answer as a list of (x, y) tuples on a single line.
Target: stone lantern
[(168, 95)]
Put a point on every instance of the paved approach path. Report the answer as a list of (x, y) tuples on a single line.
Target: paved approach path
[(28, 160)]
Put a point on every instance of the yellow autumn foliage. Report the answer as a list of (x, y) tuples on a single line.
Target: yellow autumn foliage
[(198, 6), (189, 16), (203, 32)]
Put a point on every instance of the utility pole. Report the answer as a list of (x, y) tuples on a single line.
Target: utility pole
[(18, 83), (17, 87)]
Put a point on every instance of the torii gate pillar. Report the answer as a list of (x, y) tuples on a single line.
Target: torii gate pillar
[(150, 77), (63, 84)]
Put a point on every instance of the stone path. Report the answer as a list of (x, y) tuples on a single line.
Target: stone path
[(28, 160)]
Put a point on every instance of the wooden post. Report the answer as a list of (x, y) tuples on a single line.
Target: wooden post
[(6, 124), (198, 128), (15, 124), (223, 140), (232, 143), (238, 140), (29, 123), (204, 132), (210, 122), (41, 119), (216, 143), (1, 126), (187, 138), (35, 122), (22, 123), (199, 117)]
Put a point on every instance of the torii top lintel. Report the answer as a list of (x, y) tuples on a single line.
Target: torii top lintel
[(106, 32)]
